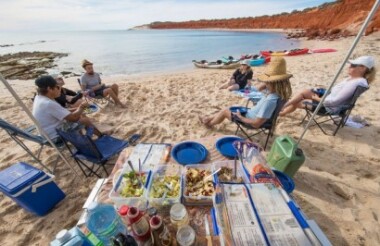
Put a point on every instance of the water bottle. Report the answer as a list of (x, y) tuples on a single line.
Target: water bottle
[(104, 222), (70, 237)]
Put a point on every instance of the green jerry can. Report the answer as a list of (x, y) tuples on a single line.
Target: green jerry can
[(285, 156)]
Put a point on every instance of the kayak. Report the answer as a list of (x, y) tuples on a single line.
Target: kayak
[(257, 62), (323, 50), (254, 57), (273, 53), (296, 52), (216, 65), (228, 59)]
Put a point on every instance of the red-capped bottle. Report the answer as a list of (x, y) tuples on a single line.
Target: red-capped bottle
[(138, 222)]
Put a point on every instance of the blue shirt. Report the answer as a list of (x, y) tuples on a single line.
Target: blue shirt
[(264, 108)]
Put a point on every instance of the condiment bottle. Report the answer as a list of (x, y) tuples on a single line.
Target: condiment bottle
[(186, 236), (161, 234), (178, 215), (138, 222), (123, 240)]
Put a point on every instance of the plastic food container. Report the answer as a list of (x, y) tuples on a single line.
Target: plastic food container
[(200, 199), (160, 172), (115, 193), (240, 173)]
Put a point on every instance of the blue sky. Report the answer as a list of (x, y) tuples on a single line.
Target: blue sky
[(48, 15)]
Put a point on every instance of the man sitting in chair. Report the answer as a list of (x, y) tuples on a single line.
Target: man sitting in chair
[(50, 114), (91, 84), (278, 86)]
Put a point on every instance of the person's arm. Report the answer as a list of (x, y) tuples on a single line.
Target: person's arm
[(69, 92), (249, 78), (256, 123), (75, 116), (336, 99)]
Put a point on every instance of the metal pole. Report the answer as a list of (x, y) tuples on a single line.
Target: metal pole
[(27, 111), (364, 26)]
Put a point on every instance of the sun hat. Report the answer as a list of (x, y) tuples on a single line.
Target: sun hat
[(276, 71), (245, 62), (85, 63), (367, 61), (45, 82)]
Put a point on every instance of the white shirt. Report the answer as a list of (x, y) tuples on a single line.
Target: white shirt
[(342, 92), (49, 114)]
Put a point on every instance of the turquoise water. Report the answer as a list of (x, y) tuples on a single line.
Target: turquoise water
[(144, 51)]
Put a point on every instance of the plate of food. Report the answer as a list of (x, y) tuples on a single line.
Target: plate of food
[(189, 153), (198, 184), (92, 108), (225, 146)]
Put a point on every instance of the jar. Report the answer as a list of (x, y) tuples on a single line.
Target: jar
[(178, 215), (186, 236)]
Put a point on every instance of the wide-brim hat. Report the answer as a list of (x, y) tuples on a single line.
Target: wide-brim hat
[(85, 63), (276, 71)]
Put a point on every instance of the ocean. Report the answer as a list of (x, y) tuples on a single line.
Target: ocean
[(133, 52)]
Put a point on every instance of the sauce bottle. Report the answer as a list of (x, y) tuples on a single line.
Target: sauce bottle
[(161, 234)]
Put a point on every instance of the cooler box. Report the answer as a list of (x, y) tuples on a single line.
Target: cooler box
[(30, 188), (285, 155)]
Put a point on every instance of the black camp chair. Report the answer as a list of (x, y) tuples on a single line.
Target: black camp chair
[(97, 152), (339, 118), (99, 98), (18, 135), (267, 128)]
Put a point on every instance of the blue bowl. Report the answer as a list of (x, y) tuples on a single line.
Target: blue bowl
[(286, 181)]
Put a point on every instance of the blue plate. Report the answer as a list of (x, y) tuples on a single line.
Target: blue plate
[(189, 153), (286, 181), (243, 110), (225, 147)]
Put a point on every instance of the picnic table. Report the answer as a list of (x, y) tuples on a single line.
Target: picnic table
[(200, 216)]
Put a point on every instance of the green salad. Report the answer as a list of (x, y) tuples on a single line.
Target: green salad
[(130, 184), (162, 184)]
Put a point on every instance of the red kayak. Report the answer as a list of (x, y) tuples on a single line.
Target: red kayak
[(297, 52), (323, 50)]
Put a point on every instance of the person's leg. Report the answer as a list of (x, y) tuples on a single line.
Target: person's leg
[(87, 122), (227, 84), (217, 118), (115, 89), (112, 94), (296, 102), (233, 87)]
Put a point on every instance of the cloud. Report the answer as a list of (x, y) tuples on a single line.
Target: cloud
[(114, 14)]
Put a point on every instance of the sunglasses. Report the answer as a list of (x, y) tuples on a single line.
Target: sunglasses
[(356, 65)]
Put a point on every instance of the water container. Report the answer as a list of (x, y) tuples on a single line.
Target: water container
[(285, 155), (73, 237), (104, 222)]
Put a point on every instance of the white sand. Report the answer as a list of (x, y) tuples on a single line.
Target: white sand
[(338, 185)]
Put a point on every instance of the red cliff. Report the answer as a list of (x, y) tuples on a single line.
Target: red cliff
[(340, 18)]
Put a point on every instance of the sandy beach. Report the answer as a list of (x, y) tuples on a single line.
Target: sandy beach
[(338, 185)]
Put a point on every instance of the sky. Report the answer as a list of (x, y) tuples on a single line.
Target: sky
[(67, 15)]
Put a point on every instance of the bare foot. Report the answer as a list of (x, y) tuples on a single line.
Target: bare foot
[(205, 120)]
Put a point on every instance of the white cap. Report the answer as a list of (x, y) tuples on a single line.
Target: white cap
[(245, 62), (367, 61)]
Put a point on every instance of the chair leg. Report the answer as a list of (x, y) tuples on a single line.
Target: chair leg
[(266, 142)]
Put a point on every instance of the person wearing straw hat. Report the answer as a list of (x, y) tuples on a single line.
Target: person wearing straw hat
[(277, 83), (361, 72), (91, 84), (240, 78)]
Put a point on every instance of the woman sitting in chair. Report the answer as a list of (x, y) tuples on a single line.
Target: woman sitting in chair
[(361, 72), (240, 78), (67, 98), (277, 86)]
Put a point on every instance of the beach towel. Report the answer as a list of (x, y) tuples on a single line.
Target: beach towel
[(249, 92)]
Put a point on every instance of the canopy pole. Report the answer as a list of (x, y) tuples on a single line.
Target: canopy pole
[(363, 28), (27, 111)]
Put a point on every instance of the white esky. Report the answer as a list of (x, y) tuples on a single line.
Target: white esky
[(66, 15)]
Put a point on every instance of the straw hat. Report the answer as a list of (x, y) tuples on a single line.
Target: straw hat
[(276, 71), (85, 63)]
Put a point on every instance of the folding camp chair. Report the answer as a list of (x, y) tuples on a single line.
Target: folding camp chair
[(18, 134), (339, 118), (97, 152), (99, 98), (267, 128)]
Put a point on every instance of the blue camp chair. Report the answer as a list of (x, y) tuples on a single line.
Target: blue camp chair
[(97, 152), (267, 128), (338, 118), (18, 135)]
